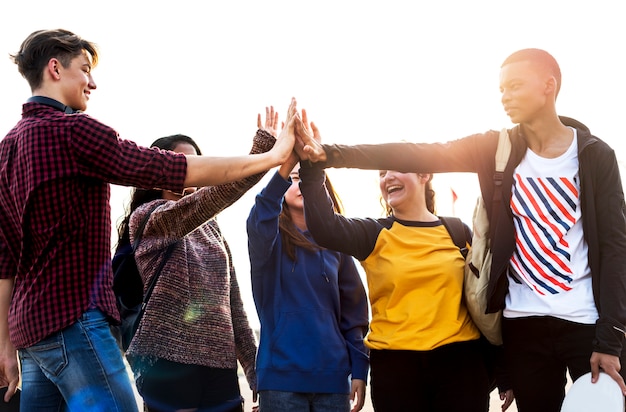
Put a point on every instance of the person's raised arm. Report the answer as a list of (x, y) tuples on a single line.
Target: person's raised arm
[(271, 126), (307, 144), (211, 171)]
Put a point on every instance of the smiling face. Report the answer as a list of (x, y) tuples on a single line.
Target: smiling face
[(76, 81), (401, 191)]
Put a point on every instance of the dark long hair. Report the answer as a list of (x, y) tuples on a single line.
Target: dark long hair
[(142, 196), (429, 193), (289, 233)]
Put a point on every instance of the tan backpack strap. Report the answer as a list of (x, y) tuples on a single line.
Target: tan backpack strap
[(503, 151)]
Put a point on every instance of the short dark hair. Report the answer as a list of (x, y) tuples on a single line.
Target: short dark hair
[(43, 45), (539, 57)]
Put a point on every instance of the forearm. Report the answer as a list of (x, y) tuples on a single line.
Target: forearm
[(8, 358), (6, 290), (460, 155), (212, 171)]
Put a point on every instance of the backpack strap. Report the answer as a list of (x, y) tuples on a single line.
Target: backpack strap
[(456, 229), (502, 157), (142, 227)]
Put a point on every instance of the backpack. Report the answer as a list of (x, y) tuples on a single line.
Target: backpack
[(128, 286), (478, 258)]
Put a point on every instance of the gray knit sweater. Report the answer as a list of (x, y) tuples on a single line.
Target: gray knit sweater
[(195, 314)]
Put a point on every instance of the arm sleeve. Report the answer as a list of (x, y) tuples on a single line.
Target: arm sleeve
[(262, 222), (8, 268), (460, 155), (245, 343), (354, 316), (611, 230), (175, 220), (355, 237)]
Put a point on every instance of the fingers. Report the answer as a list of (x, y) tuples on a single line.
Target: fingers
[(610, 364), (293, 108), (10, 390), (275, 120), (358, 392), (316, 132), (508, 398), (305, 118), (269, 112), (259, 123)]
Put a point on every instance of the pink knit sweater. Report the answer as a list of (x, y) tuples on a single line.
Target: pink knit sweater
[(195, 314)]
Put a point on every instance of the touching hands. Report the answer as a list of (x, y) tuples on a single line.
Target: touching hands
[(308, 140), (286, 139), (306, 136)]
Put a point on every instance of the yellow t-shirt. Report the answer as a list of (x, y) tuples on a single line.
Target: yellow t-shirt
[(415, 280)]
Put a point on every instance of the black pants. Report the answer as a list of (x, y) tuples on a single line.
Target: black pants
[(450, 378), (167, 386), (538, 353)]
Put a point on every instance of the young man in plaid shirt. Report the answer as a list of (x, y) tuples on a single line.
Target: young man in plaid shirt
[(56, 165)]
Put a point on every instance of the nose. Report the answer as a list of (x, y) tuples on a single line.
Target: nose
[(504, 97), (92, 83)]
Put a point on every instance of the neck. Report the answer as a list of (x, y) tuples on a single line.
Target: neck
[(420, 215), (547, 138), (545, 134)]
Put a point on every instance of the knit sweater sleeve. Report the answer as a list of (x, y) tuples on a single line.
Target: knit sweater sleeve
[(174, 220), (245, 343)]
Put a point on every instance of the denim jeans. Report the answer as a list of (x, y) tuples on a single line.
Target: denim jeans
[(278, 401), (77, 369)]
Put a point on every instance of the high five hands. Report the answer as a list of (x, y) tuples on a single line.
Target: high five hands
[(306, 135)]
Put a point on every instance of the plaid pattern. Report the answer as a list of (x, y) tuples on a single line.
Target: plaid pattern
[(55, 221)]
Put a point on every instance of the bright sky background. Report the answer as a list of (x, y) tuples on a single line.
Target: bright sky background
[(365, 71)]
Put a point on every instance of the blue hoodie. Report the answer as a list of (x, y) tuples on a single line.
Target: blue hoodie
[(313, 311)]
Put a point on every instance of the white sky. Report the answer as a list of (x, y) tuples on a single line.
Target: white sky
[(367, 72)]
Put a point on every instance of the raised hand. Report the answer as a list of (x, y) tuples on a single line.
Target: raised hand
[(271, 121), (286, 139), (308, 140)]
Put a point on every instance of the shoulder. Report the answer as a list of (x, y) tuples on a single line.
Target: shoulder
[(139, 214)]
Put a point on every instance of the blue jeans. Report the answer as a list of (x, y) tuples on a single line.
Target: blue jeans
[(77, 369), (278, 401)]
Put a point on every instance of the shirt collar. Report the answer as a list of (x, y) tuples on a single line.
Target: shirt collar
[(52, 103)]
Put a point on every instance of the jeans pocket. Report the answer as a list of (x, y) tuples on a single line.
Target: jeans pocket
[(49, 354)]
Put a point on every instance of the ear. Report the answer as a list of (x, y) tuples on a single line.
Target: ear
[(551, 86), (425, 177), (53, 68)]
